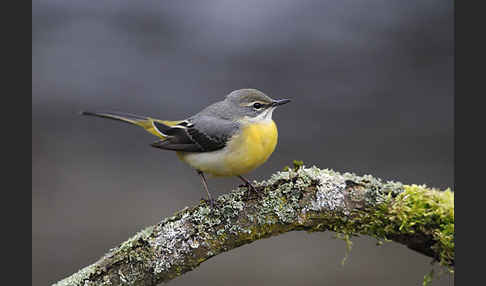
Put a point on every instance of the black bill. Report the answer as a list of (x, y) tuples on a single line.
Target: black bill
[(280, 102)]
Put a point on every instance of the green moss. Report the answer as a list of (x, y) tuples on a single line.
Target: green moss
[(349, 245), (418, 208), (297, 165), (428, 278)]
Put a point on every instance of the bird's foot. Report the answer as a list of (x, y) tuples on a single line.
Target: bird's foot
[(252, 190), (209, 201)]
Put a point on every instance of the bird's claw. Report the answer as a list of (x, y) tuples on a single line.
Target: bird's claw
[(251, 189), (209, 201)]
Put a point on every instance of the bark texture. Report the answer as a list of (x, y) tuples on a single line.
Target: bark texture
[(300, 198)]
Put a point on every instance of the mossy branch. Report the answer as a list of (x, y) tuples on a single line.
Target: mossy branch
[(300, 198)]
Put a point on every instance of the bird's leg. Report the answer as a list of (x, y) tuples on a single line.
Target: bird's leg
[(205, 184), (250, 187)]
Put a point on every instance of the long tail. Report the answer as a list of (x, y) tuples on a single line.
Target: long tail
[(145, 122)]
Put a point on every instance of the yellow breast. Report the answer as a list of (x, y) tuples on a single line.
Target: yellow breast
[(247, 150), (252, 147)]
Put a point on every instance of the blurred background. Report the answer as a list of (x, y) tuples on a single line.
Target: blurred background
[(372, 88)]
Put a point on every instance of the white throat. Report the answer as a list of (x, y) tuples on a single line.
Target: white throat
[(266, 115)]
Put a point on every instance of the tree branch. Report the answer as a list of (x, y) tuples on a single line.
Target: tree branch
[(301, 198)]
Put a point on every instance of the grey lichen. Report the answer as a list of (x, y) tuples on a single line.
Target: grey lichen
[(78, 278), (329, 195), (170, 244), (298, 198)]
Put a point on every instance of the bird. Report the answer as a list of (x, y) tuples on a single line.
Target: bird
[(227, 138)]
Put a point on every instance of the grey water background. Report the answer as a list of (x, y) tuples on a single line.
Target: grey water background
[(372, 89)]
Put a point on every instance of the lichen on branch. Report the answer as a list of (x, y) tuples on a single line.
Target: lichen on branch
[(298, 198)]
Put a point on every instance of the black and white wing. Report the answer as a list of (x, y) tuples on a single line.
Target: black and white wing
[(198, 134)]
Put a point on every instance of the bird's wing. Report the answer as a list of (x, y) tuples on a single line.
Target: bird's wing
[(196, 134)]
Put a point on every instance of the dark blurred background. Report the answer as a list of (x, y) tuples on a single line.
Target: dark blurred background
[(372, 88)]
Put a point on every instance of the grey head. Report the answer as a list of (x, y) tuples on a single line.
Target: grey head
[(243, 103)]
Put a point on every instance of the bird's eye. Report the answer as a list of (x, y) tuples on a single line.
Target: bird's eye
[(257, 105)]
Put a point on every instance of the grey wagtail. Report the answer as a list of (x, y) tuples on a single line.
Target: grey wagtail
[(228, 138)]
